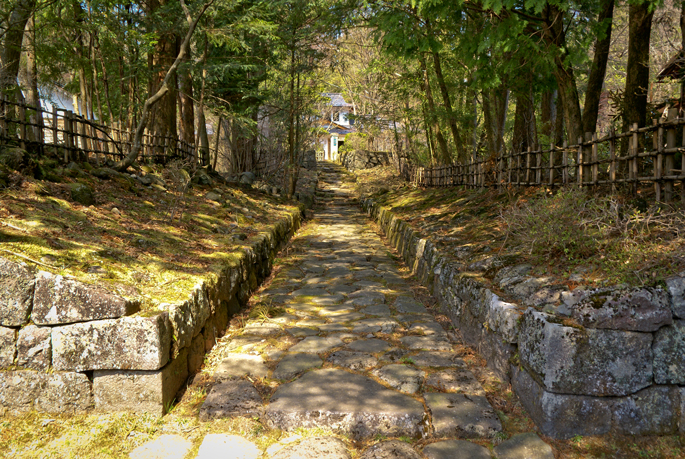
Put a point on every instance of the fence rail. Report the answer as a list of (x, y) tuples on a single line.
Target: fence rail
[(651, 155), (72, 137)]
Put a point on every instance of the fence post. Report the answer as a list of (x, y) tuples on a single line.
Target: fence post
[(3, 117), (551, 166), (612, 159), (579, 163), (22, 126), (595, 161), (669, 158), (659, 160), (564, 164), (633, 163), (538, 167), (55, 130)]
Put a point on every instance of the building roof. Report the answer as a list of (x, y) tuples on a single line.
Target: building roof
[(336, 99), (673, 68)]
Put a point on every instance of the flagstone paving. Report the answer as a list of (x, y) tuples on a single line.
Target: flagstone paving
[(351, 350)]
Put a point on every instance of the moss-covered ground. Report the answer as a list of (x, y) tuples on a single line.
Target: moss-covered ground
[(609, 239), (140, 241)]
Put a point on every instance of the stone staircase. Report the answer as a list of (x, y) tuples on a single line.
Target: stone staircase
[(351, 351)]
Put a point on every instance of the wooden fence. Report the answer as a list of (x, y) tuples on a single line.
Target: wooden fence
[(651, 156), (72, 137)]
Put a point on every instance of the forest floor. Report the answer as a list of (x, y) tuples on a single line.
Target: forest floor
[(604, 239), (151, 236)]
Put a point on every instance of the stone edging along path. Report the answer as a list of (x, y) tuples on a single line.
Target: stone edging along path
[(71, 347), (619, 367)]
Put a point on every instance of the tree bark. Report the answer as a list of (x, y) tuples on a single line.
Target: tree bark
[(599, 65), (187, 106), (555, 36), (637, 70), (163, 90), (525, 130), (10, 52), (32, 96), (445, 157)]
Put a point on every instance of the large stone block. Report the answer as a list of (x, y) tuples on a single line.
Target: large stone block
[(635, 309), (65, 393), (577, 361), (34, 347), (140, 391), (140, 343), (25, 390), (652, 411), (16, 293), (503, 317), (8, 346), (669, 354), (59, 300), (676, 287), (561, 416)]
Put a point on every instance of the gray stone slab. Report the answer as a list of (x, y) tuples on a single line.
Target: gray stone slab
[(585, 362), (140, 391), (458, 449), (369, 297), (34, 347), (245, 343), (408, 305), (338, 272), (162, 447), (309, 292), (329, 299), (224, 446), (377, 310), (372, 346), (404, 378), (560, 415), (462, 416), (676, 287), (455, 380), (235, 397), (301, 332), (317, 344), (336, 310), (293, 364), (428, 328), (17, 283), (58, 300), (333, 328), (314, 322), (342, 288), (390, 449), (236, 365), (344, 402), (8, 346), (669, 354), (429, 343), (524, 446), (652, 411), (369, 285), (351, 316), (375, 325), (357, 361), (140, 343), (262, 329), (315, 448)]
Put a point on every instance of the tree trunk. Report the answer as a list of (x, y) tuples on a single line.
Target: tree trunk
[(637, 70), (525, 130), (291, 127), (548, 117), (461, 153), (203, 139), (10, 52), (599, 66), (163, 90), (445, 157), (32, 96), (187, 105), (555, 36)]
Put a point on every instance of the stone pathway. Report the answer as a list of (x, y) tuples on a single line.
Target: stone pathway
[(352, 352)]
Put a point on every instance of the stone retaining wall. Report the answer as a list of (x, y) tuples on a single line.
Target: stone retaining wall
[(66, 346), (364, 159), (582, 362)]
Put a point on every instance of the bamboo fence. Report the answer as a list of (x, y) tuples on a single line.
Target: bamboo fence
[(72, 137), (651, 155)]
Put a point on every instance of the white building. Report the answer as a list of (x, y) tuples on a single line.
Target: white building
[(337, 123)]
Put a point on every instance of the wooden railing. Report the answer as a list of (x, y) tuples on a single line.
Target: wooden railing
[(72, 137), (652, 155)]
